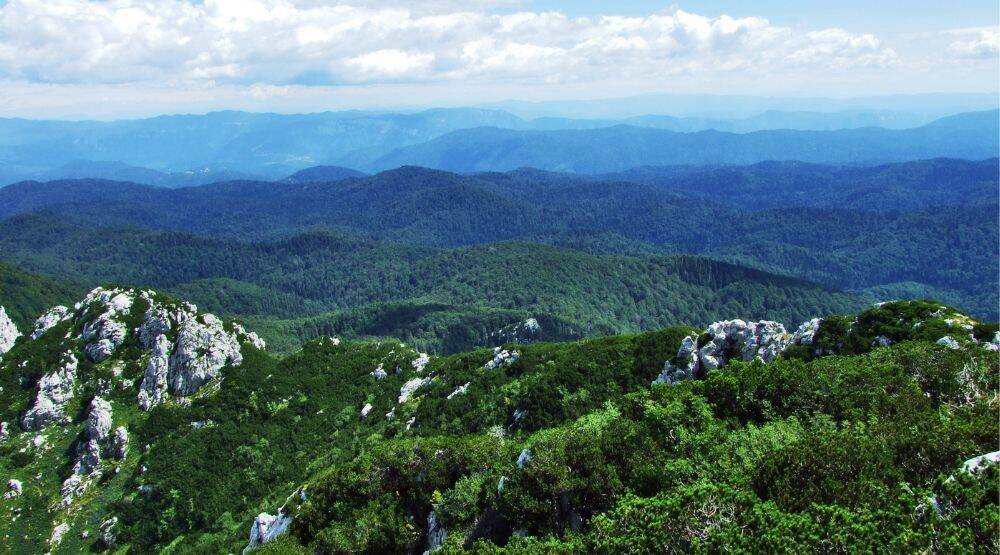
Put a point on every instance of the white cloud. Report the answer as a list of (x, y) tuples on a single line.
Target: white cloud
[(281, 42), (976, 44)]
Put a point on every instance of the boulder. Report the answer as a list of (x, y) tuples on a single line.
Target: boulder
[(459, 390), (8, 332), (108, 533), (501, 357), (365, 410), (118, 446), (410, 387)]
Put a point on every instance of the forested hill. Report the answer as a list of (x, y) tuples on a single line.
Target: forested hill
[(474, 290), (888, 229), (971, 136)]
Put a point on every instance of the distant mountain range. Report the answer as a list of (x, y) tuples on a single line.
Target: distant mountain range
[(189, 150), (971, 136)]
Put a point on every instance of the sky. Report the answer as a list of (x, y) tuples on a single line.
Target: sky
[(126, 58)]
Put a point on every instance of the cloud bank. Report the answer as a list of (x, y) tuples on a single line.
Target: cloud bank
[(285, 42)]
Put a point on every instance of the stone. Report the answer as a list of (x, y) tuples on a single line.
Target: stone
[(14, 488), (48, 320), (99, 420), (523, 458), (365, 410), (57, 534), (118, 446), (202, 349), (974, 464), (420, 362), (436, 534), (501, 357), (410, 387), (153, 388), (156, 322), (379, 373), (949, 341), (55, 389), (459, 390), (105, 333), (108, 532), (266, 528), (8, 332)]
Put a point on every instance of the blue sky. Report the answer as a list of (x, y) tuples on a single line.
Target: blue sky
[(112, 58)]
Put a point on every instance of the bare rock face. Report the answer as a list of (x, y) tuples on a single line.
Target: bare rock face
[(8, 332), (55, 389), (49, 319), (501, 357), (109, 532), (202, 349), (154, 382)]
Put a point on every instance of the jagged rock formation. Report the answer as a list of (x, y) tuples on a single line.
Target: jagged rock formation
[(55, 389), (202, 349), (8, 332)]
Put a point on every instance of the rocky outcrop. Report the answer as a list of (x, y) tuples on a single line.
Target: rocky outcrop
[(266, 528), (104, 333), (501, 357), (48, 320), (99, 420), (202, 349), (949, 341), (55, 389), (365, 410), (730, 340), (8, 332), (974, 464)]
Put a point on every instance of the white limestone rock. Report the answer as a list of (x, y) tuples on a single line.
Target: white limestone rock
[(105, 333), (266, 528), (14, 488), (118, 445), (949, 341), (49, 319), (365, 410), (202, 349), (974, 464), (436, 534), (55, 389), (99, 420), (153, 389), (156, 323), (726, 339), (57, 534), (523, 458), (806, 333), (109, 532), (410, 387), (501, 357), (8, 332), (459, 390), (420, 362)]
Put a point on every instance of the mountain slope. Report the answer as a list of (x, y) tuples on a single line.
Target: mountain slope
[(374, 447)]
